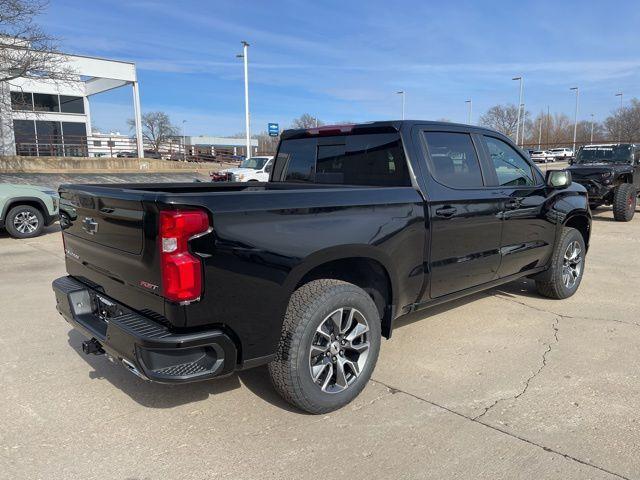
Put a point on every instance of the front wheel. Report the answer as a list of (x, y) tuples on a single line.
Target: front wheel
[(329, 346), (624, 202), (24, 221), (567, 266)]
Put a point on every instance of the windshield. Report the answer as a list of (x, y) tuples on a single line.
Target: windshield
[(608, 153), (254, 163)]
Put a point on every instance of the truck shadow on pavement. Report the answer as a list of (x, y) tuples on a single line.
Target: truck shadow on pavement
[(156, 395)]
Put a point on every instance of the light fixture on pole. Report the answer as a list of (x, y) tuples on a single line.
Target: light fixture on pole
[(470, 111), (184, 141), (575, 117), (401, 92), (245, 56), (519, 106), (619, 94)]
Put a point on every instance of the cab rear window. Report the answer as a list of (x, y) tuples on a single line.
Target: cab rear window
[(368, 159)]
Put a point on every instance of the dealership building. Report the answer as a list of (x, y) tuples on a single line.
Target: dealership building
[(53, 118)]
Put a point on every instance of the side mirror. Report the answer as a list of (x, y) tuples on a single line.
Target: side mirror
[(558, 178)]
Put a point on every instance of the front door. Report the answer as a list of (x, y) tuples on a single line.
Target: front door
[(465, 214), (527, 234)]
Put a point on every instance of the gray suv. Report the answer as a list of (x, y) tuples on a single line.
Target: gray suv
[(26, 209)]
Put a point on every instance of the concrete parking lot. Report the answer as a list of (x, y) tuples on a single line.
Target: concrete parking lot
[(504, 384)]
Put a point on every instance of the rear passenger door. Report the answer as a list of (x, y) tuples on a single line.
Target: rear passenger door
[(527, 234), (465, 215)]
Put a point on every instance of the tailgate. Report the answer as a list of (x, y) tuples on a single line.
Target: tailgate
[(106, 219)]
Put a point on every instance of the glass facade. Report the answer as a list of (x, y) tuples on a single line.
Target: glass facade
[(46, 102), (50, 138)]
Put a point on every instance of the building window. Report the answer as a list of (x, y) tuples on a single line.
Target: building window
[(25, 136), (45, 102), (74, 133), (21, 101), (69, 104), (111, 143), (97, 143)]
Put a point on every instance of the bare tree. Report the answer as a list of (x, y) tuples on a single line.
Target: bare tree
[(267, 144), (156, 129), (503, 118), (306, 121), (624, 123), (26, 51)]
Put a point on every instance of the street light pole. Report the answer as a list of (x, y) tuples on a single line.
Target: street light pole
[(245, 56), (591, 137), (619, 94), (401, 92), (575, 117), (519, 106), (470, 112), (184, 141)]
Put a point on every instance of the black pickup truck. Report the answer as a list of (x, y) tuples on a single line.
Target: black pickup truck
[(611, 175), (359, 225)]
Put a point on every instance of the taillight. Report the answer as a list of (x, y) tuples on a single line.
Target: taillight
[(181, 271)]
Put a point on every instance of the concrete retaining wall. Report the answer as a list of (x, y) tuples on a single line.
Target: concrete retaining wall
[(19, 164)]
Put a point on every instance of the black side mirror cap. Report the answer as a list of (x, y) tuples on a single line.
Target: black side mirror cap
[(558, 178)]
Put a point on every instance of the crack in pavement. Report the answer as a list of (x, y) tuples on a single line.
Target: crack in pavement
[(395, 390), (535, 374), (538, 309)]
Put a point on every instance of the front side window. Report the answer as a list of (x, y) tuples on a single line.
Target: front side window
[(453, 160), (254, 163), (511, 169), (296, 160)]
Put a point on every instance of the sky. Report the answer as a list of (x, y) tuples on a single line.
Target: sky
[(344, 60)]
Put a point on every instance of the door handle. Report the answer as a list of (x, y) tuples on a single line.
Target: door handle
[(512, 204), (446, 212)]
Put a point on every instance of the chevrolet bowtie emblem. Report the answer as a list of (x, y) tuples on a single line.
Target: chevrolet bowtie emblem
[(89, 225)]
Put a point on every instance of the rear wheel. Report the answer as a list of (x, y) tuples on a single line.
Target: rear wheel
[(624, 202), (567, 266), (24, 221), (329, 346)]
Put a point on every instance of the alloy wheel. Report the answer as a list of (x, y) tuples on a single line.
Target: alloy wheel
[(339, 350), (572, 264), (25, 222)]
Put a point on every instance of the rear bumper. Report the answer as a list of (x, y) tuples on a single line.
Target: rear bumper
[(147, 348)]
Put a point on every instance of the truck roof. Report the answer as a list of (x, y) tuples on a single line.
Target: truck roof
[(385, 126)]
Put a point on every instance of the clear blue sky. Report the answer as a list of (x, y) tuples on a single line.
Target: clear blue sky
[(343, 60)]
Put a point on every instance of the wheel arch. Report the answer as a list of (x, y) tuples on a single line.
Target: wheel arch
[(31, 201), (581, 222), (364, 266)]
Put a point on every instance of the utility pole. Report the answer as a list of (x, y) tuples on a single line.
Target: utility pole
[(540, 132), (470, 111), (519, 105), (591, 137), (401, 92), (619, 94), (575, 117), (245, 56)]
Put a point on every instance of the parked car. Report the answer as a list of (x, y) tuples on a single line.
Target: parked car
[(611, 175), (253, 169), (542, 156), (26, 209), (563, 154), (358, 225), (126, 155), (152, 154)]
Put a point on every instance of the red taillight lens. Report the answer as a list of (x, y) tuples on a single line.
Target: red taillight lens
[(181, 271)]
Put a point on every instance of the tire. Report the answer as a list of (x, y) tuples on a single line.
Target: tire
[(625, 198), (307, 323), (565, 274), (24, 221)]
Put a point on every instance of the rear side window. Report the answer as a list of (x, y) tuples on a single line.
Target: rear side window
[(371, 159), (512, 170), (453, 160)]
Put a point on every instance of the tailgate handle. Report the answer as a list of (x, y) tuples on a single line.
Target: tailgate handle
[(446, 212)]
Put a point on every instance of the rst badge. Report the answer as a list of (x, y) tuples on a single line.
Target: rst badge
[(147, 285)]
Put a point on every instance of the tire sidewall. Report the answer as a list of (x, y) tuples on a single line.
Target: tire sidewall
[(344, 296), (574, 235), (24, 208)]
